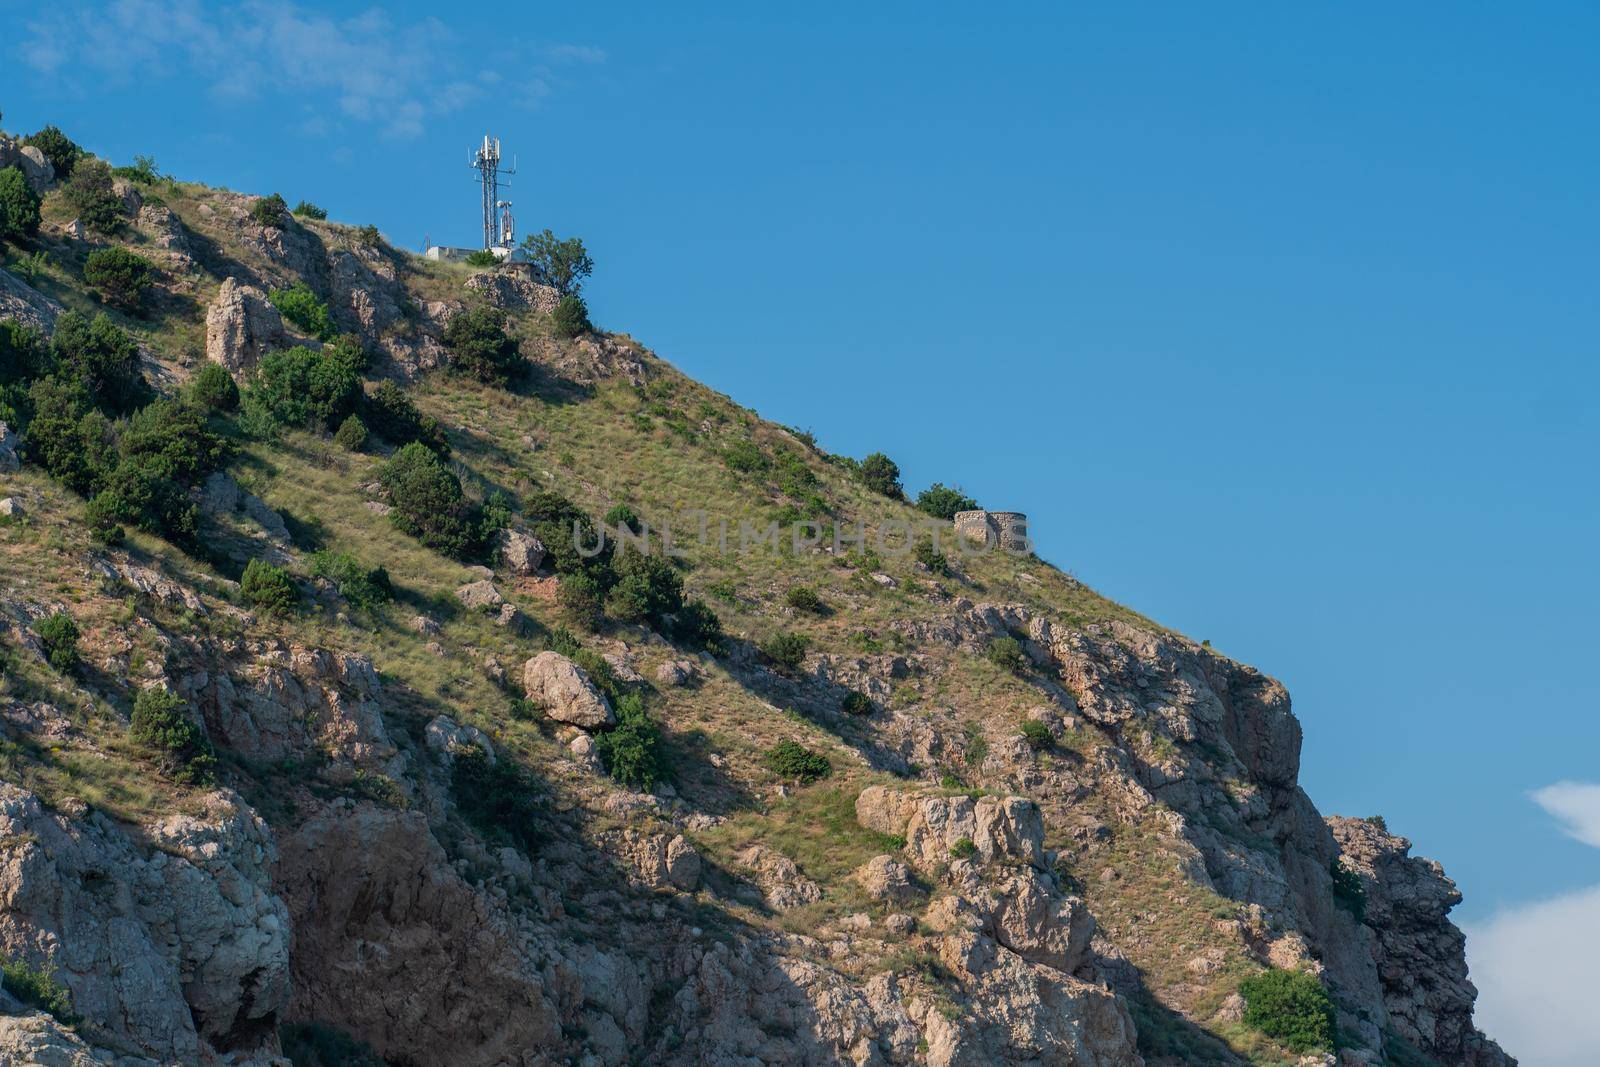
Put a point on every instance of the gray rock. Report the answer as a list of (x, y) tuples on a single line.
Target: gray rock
[(242, 326), (565, 693), (9, 443), (519, 550), (480, 596), (447, 737)]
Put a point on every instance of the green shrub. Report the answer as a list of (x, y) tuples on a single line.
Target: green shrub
[(1379, 821), (882, 475), (143, 171), (179, 436), (930, 557), (942, 502), (121, 276), (1349, 892), (67, 437), (362, 587), (392, 416), (268, 588), (89, 193), (482, 258), (804, 598), (562, 263), (570, 317), (160, 720), (581, 597), (58, 148), (793, 762), (368, 236), (856, 703), (59, 635), (19, 206), (351, 434), (963, 849), (427, 501), (697, 624), (1291, 1007), (480, 347), (302, 388), (648, 588), (786, 651), (37, 987), (300, 306), (307, 210), (142, 490), (213, 388), (269, 210), (746, 456), (622, 516), (497, 797), (1037, 735), (632, 753), (1006, 653), (99, 354)]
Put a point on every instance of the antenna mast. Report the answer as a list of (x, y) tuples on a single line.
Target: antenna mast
[(487, 163)]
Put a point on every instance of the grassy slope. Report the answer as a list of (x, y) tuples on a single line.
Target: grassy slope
[(659, 449)]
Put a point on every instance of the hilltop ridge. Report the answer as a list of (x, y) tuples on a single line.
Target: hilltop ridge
[(324, 739)]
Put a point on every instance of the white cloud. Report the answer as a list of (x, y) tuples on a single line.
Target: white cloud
[(1537, 966), (1577, 805), (368, 69)]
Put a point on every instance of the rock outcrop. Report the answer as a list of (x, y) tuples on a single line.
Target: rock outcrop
[(559, 686), (242, 326)]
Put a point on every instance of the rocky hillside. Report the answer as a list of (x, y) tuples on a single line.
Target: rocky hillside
[(320, 743)]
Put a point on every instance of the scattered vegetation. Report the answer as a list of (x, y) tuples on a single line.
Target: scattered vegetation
[(351, 434), (482, 258), (19, 206), (62, 152), (300, 306), (307, 210), (942, 502), (427, 503), (792, 761), (497, 797), (268, 588), (559, 262), (479, 346), (59, 634), (143, 170), (632, 752), (786, 651), (804, 598), (1291, 1007), (120, 276), (570, 317), (302, 388), (213, 388), (361, 586), (1006, 653), (1349, 892), (37, 987), (927, 554), (160, 720), (1037, 735), (90, 195), (856, 703), (391, 415), (882, 475), (269, 210), (963, 848)]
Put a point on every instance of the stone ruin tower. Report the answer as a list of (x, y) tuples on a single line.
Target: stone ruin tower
[(1003, 529)]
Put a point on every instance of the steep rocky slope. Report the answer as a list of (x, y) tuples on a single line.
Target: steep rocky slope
[(1074, 855)]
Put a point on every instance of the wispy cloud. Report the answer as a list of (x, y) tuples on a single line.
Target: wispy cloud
[(370, 69), (1537, 966), (1577, 805)]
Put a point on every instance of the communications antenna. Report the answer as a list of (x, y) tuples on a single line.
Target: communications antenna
[(486, 161)]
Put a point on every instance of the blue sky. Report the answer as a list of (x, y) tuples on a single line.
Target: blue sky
[(1279, 320)]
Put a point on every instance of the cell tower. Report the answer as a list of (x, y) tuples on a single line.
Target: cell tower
[(496, 212)]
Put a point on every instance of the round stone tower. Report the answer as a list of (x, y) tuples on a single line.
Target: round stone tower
[(1003, 529)]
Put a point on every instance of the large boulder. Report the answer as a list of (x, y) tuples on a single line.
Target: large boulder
[(26, 304), (480, 596), (520, 552), (242, 326), (513, 288), (37, 169), (560, 687), (9, 443)]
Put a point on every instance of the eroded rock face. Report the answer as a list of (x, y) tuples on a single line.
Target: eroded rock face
[(560, 687), (35, 167), (181, 951), (242, 326), (512, 287), (519, 551), (9, 444), (1420, 955), (25, 304)]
